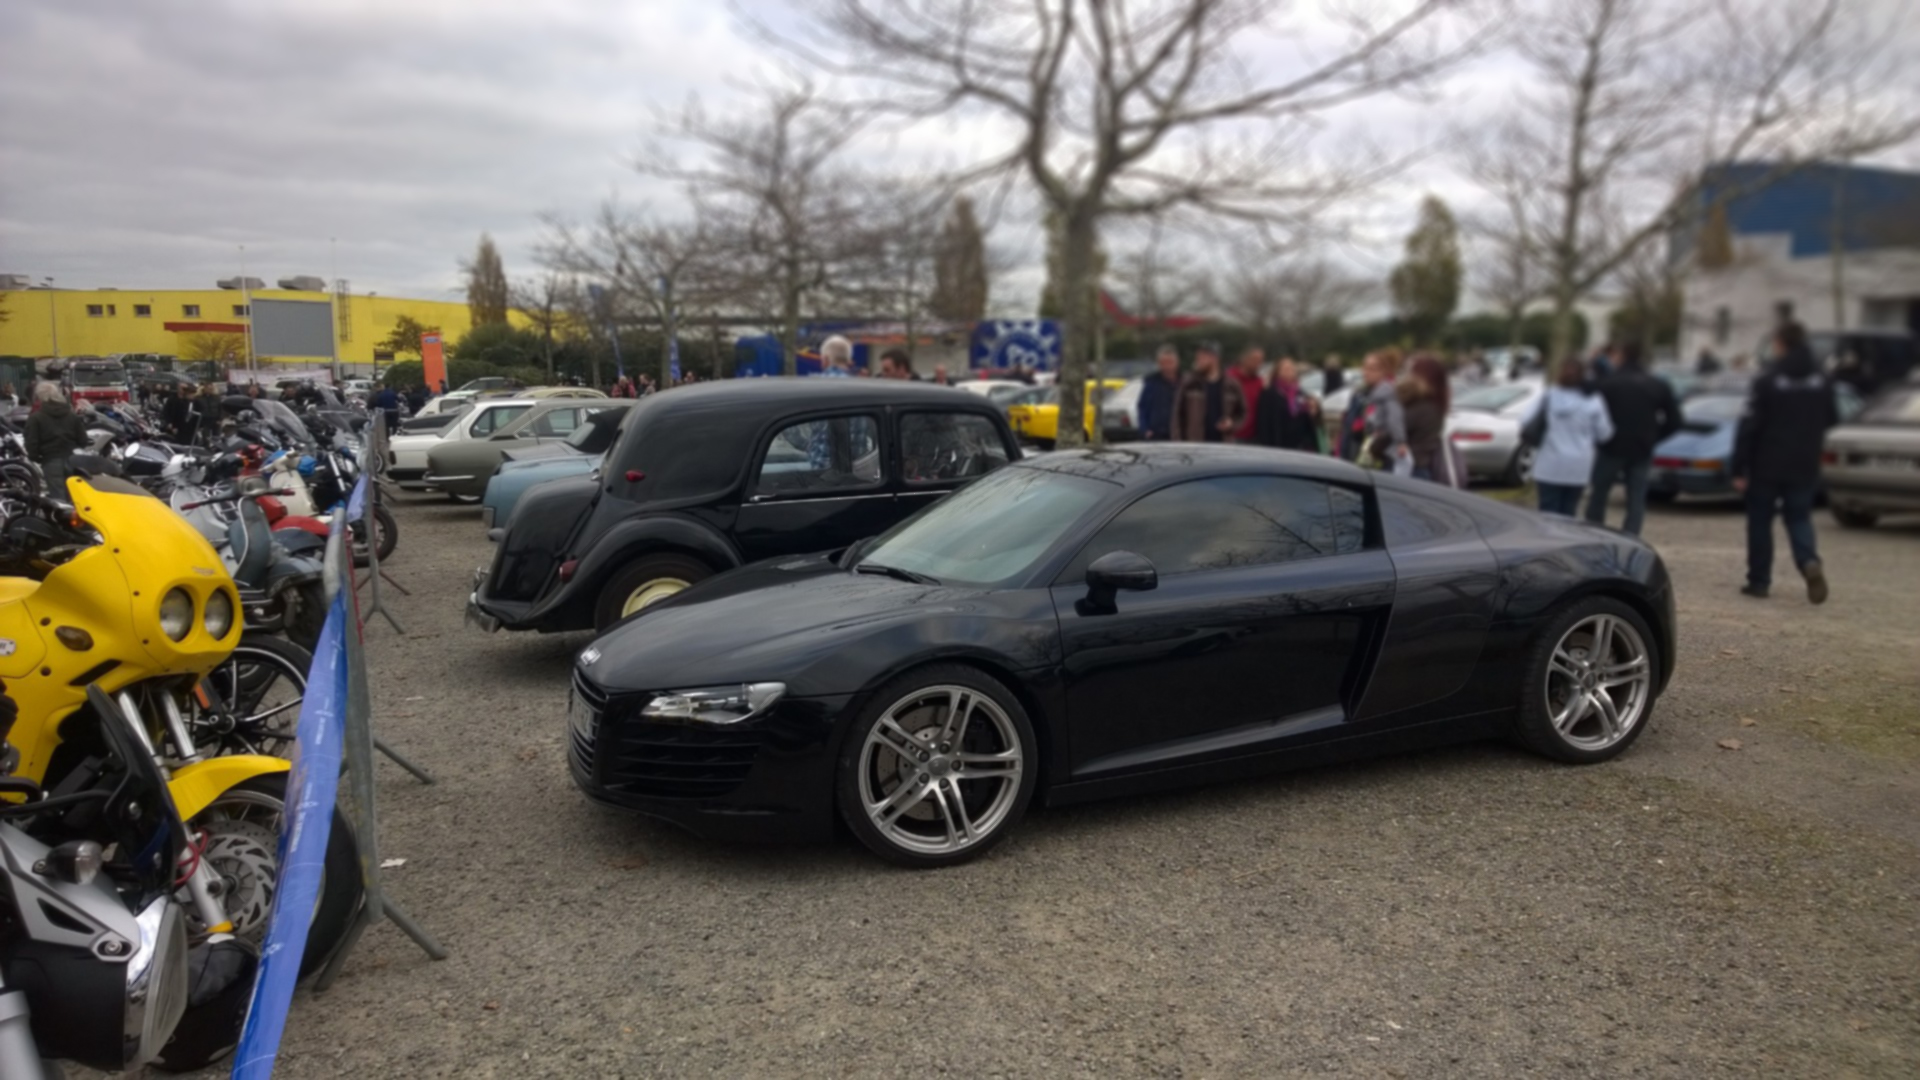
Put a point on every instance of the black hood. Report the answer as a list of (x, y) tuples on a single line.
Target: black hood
[(782, 620), (56, 409), (1797, 363)]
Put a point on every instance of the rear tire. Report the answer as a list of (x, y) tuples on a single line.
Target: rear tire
[(306, 613), (386, 532), (1520, 469), (1855, 519), (1588, 691), (645, 582)]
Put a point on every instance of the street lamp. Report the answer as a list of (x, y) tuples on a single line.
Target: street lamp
[(53, 317)]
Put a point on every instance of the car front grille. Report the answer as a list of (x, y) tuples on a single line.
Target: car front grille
[(630, 756)]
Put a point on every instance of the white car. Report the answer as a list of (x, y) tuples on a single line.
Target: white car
[(1485, 424), (407, 454), (357, 388), (998, 391)]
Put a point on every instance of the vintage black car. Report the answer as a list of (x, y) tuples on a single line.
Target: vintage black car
[(706, 478), (1098, 623)]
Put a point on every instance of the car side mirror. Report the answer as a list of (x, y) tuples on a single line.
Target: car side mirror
[(1112, 573)]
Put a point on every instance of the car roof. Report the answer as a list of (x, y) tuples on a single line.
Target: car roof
[(782, 392), (1135, 464)]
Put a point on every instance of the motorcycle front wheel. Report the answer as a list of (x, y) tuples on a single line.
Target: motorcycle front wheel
[(253, 698), (242, 830)]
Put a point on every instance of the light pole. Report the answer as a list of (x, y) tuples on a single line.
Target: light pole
[(53, 318)]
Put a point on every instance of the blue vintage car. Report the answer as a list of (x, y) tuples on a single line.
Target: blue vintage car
[(1698, 459), (576, 455)]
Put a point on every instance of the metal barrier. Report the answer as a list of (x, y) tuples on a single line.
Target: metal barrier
[(335, 725)]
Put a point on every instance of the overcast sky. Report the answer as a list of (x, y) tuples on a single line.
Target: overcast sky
[(143, 142)]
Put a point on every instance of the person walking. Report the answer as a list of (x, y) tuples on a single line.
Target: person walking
[(1776, 459), (1383, 422), (1576, 424), (1645, 413), (1210, 406), (388, 401), (54, 434), (1424, 398), (1289, 417), (1249, 373), (1158, 392)]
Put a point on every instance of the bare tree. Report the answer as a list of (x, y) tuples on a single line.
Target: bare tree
[(1637, 97), (548, 303), (487, 290), (1289, 300), (1129, 108), (1157, 279), (895, 271), (1507, 272), (774, 198)]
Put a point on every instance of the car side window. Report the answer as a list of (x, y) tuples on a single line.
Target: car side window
[(936, 446), (494, 419), (556, 423), (840, 453), (1231, 521)]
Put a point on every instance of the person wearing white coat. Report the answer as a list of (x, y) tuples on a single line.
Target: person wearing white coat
[(1577, 423)]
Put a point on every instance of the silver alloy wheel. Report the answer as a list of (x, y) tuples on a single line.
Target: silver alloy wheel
[(1599, 682), (940, 770)]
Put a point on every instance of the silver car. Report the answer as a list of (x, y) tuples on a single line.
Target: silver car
[(1485, 424), (1873, 462)]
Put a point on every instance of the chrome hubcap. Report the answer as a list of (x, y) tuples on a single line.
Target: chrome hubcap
[(1599, 682), (941, 770)]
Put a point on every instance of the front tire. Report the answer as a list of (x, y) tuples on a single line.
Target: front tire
[(243, 835), (644, 583), (1588, 689), (939, 767)]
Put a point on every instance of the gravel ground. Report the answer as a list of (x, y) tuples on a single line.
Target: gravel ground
[(1687, 910)]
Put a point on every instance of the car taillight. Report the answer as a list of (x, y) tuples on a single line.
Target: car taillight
[(567, 568), (1829, 458), (1669, 463), (1472, 436), (1708, 465)]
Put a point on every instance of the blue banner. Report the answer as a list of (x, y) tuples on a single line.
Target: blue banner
[(311, 789), (357, 504)]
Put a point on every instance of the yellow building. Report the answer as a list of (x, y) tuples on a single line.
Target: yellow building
[(100, 322)]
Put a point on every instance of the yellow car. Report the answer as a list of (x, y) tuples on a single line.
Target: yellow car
[(1035, 415)]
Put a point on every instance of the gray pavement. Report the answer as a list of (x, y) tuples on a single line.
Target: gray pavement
[(1688, 910)]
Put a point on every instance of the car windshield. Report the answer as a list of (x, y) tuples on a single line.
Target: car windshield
[(99, 376), (1893, 407), (1492, 398), (1001, 395), (991, 532), (1713, 410)]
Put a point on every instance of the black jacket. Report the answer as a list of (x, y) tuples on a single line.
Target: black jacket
[(1785, 426), (1274, 425), (55, 431), (1644, 413), (1156, 406)]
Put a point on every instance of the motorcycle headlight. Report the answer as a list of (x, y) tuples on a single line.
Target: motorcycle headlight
[(176, 614), (714, 704), (219, 616)]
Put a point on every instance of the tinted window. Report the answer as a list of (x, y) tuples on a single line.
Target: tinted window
[(1411, 520), (557, 422), (1349, 519), (837, 454), (938, 446), (1226, 522), (596, 434), (991, 532), (494, 419)]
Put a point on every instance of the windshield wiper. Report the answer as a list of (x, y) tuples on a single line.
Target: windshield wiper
[(896, 573)]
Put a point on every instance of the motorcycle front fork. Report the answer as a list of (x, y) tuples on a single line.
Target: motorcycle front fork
[(201, 884)]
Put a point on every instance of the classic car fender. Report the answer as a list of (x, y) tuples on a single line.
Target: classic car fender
[(637, 536)]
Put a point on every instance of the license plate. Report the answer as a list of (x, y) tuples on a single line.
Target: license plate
[(1890, 461), (581, 717)]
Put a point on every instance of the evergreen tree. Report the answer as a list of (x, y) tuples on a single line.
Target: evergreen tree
[(487, 292), (960, 267), (1426, 284)]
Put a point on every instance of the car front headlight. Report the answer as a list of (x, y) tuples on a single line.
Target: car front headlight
[(219, 615), (176, 614), (714, 704)]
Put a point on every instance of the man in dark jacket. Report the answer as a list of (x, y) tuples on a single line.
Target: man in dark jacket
[(1210, 406), (1157, 393), (1776, 459), (1644, 412), (388, 401), (54, 434)]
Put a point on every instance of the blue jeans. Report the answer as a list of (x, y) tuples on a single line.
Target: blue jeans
[(1794, 503), (1606, 470), (1560, 498)]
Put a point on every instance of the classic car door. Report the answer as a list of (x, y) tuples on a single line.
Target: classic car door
[(1268, 597), (818, 484), (943, 450)]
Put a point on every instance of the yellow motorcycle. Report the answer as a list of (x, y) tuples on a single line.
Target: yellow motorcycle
[(119, 591)]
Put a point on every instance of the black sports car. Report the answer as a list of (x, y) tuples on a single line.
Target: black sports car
[(1097, 623)]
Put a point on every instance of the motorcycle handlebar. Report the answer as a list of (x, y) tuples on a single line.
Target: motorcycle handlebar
[(234, 497)]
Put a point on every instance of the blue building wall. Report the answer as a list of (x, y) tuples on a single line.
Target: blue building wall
[(1864, 208)]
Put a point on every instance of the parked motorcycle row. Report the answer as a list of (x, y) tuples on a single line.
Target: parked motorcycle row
[(155, 626)]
